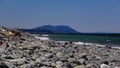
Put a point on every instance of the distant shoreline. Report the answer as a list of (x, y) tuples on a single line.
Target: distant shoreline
[(99, 34)]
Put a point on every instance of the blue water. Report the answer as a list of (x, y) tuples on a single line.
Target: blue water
[(100, 39)]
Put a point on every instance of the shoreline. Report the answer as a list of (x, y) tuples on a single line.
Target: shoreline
[(79, 42), (27, 51), (99, 39)]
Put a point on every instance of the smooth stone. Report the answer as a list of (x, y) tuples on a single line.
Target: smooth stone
[(71, 55), (19, 61), (44, 47), (83, 54), (40, 59), (104, 66), (98, 57), (23, 47), (80, 66), (117, 67), (49, 55), (46, 63), (43, 67), (76, 62), (9, 57), (59, 54), (59, 66), (33, 63), (11, 64), (35, 56), (92, 65), (26, 53), (71, 59), (59, 63), (26, 66), (53, 64), (82, 61)]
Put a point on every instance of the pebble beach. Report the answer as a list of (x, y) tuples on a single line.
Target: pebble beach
[(24, 50)]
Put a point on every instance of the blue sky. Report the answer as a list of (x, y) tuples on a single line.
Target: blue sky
[(82, 15)]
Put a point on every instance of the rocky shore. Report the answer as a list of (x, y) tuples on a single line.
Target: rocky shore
[(23, 50)]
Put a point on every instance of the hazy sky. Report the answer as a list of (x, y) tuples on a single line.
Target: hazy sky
[(82, 15)]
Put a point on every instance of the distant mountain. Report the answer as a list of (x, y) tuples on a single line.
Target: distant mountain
[(51, 29)]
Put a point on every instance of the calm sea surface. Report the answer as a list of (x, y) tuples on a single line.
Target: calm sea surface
[(100, 39)]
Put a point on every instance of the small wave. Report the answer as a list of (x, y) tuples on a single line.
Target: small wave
[(79, 43)]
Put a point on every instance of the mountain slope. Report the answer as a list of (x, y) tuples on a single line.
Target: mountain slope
[(52, 29)]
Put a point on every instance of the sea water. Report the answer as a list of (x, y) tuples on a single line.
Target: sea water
[(100, 39)]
